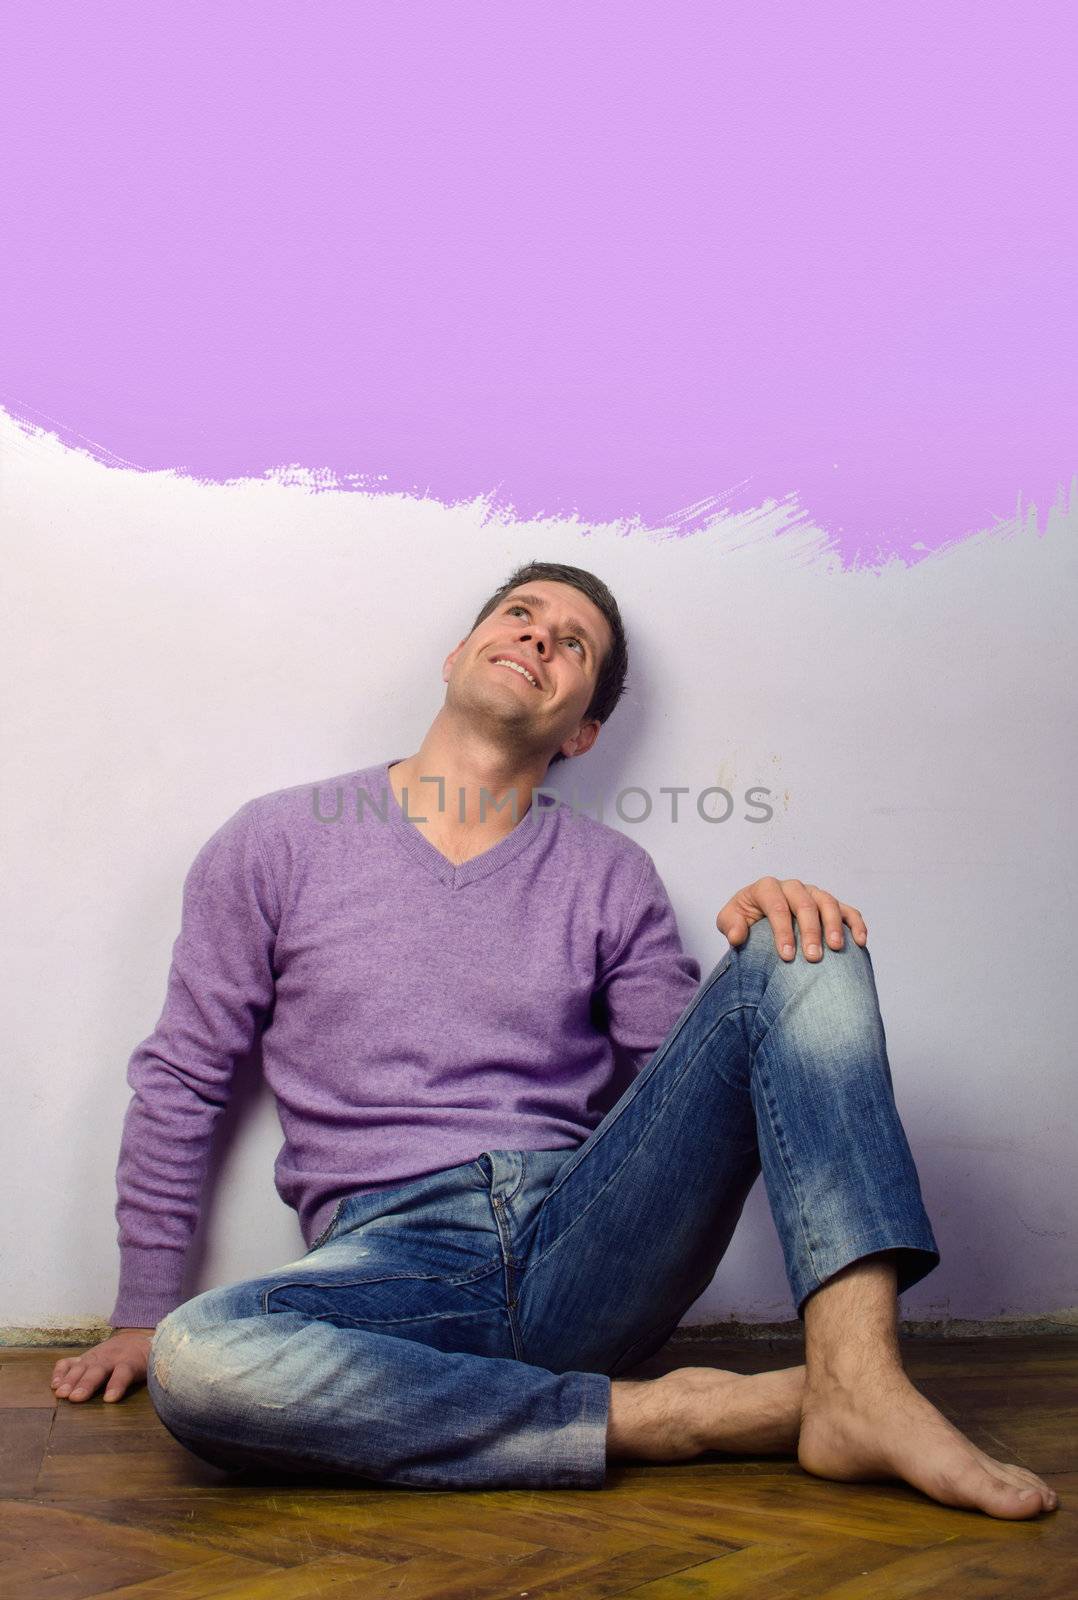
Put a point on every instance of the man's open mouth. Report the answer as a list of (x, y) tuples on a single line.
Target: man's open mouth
[(515, 666)]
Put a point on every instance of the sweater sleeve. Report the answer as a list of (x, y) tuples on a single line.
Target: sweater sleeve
[(220, 991), (649, 980)]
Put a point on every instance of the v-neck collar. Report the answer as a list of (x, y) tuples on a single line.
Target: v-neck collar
[(417, 844)]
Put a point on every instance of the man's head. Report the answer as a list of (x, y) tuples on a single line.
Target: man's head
[(563, 626)]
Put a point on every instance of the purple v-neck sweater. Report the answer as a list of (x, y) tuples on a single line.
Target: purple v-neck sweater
[(412, 1013)]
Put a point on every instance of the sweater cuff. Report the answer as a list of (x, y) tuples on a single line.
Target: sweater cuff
[(151, 1285)]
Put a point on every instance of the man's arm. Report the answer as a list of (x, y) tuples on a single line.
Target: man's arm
[(646, 983), (220, 990)]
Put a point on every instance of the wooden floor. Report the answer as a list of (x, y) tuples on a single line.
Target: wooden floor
[(99, 1499)]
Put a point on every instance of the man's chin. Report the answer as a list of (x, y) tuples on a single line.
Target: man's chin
[(508, 719)]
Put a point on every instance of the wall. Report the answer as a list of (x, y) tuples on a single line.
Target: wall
[(179, 647), (763, 314)]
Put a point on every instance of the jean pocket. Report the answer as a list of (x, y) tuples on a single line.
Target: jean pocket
[(375, 1298)]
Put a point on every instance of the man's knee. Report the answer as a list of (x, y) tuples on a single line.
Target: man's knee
[(169, 1350), (838, 984), (184, 1370)]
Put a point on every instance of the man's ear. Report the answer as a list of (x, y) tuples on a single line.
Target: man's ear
[(581, 741), (447, 664)]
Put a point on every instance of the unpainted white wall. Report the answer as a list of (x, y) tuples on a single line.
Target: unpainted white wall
[(173, 648)]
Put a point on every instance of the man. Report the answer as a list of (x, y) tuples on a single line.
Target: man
[(518, 1130)]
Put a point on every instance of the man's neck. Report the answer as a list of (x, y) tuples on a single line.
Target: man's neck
[(472, 808)]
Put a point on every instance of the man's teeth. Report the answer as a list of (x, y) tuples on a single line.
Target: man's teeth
[(521, 670)]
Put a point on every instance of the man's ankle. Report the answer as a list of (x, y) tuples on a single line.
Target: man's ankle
[(851, 1328), (650, 1420), (853, 1379)]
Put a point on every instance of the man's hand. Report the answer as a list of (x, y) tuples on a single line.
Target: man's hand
[(122, 1358), (781, 900)]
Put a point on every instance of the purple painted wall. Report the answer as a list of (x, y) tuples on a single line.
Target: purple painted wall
[(641, 261)]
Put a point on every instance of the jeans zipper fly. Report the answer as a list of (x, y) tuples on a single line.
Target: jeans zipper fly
[(510, 1289)]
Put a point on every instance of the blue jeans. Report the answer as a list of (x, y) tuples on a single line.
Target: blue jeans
[(462, 1329)]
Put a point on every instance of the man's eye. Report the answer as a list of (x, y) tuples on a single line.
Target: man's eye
[(573, 638)]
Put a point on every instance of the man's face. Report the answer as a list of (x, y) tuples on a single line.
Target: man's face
[(561, 638)]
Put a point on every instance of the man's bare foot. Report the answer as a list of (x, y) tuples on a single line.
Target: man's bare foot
[(694, 1409), (884, 1428)]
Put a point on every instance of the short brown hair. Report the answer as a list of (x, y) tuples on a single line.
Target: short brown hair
[(610, 683)]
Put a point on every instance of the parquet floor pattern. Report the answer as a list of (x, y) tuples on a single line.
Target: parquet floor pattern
[(100, 1500)]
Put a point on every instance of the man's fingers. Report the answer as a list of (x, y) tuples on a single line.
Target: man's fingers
[(736, 930), (122, 1359), (784, 902), (818, 916), (120, 1381), (771, 898), (79, 1385), (830, 915)]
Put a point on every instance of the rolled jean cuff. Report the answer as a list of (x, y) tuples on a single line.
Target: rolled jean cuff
[(576, 1458), (919, 1257)]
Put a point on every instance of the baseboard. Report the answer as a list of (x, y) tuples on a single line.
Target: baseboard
[(76, 1333), (1053, 1324)]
